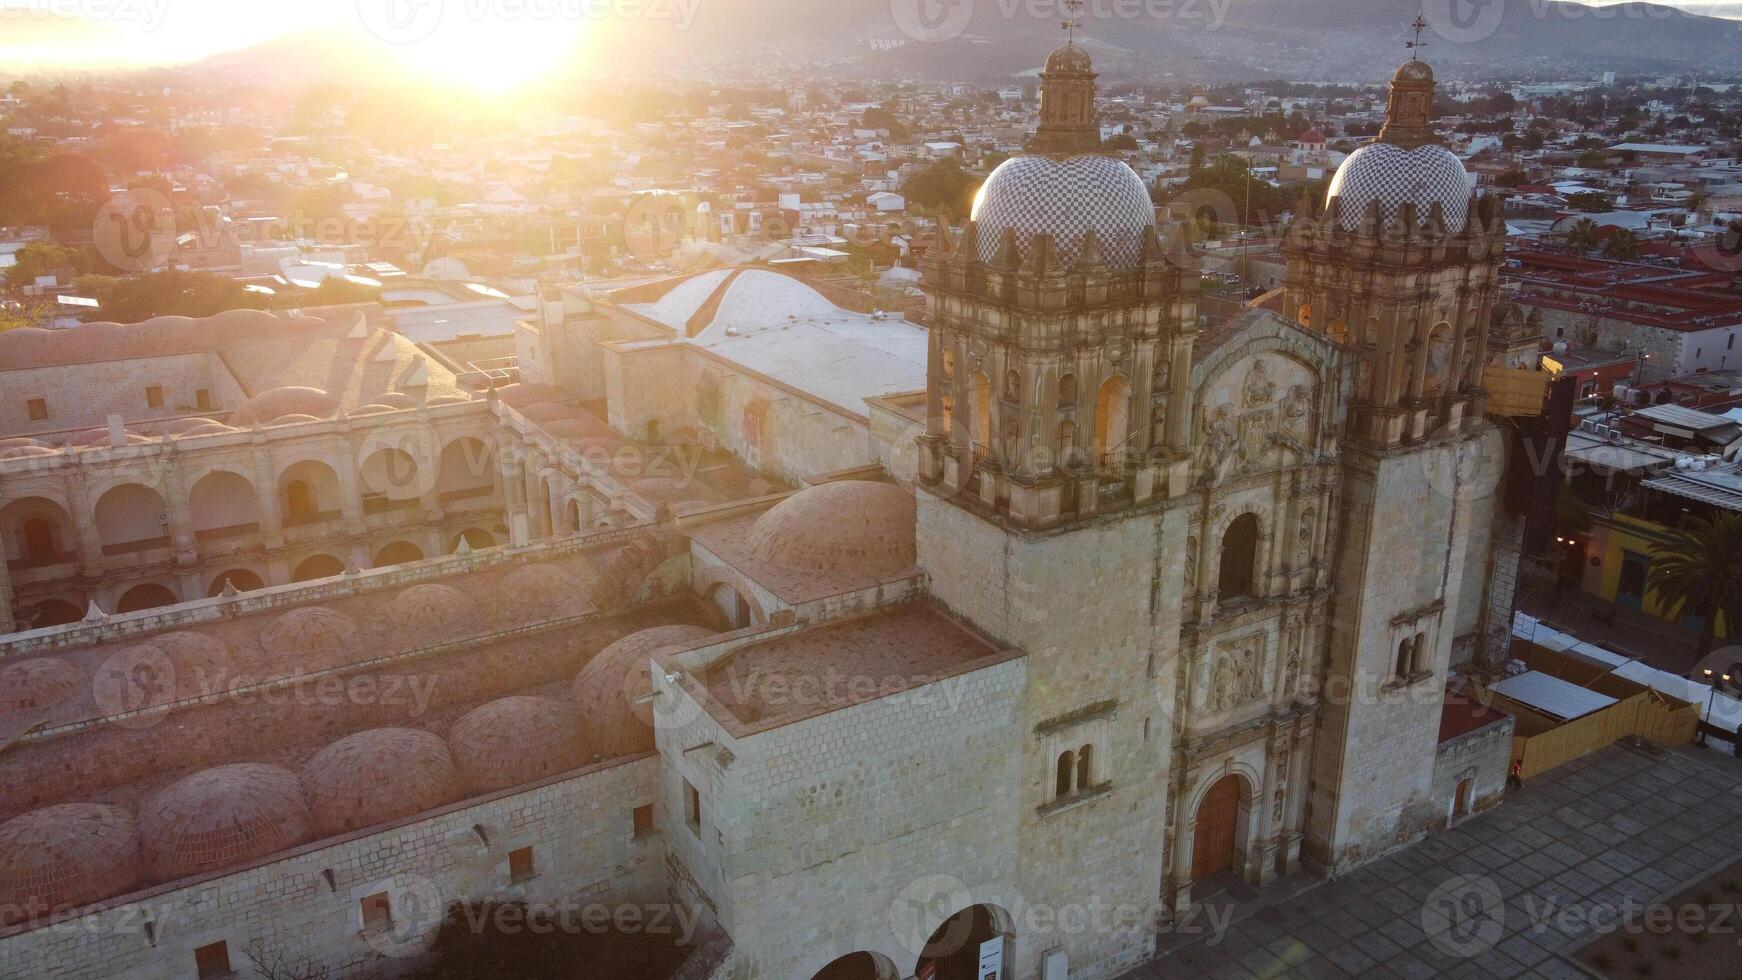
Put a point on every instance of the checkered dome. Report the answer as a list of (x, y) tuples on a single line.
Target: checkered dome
[(1393, 176), (1066, 197)]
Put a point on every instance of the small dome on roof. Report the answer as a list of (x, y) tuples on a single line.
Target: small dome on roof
[(309, 631), (293, 420), (515, 740), (376, 409), (1414, 71), (397, 400), (448, 400), (607, 688), (854, 526), (43, 682), (209, 429), (218, 818), (195, 664), (1069, 58), (431, 604), (63, 856), (280, 402), (376, 776)]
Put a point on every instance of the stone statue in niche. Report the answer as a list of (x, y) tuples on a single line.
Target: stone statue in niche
[(1291, 670), (1276, 811), (1295, 410), (1218, 438), (1191, 563), (1304, 546), (1260, 389)]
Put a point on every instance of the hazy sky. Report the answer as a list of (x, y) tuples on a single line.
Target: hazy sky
[(514, 35)]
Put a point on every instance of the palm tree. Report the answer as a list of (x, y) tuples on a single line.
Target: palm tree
[(1583, 235), (1624, 246), (1700, 570)]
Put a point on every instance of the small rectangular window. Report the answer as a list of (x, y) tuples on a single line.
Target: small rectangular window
[(154, 396), (643, 820), (202, 399), (38, 409), (692, 808), (377, 912), (212, 961), (520, 866)]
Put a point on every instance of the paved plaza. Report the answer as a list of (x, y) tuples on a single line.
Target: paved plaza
[(1505, 892)]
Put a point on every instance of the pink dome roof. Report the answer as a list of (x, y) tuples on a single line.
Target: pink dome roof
[(219, 818), (18, 441), (606, 689), (19, 452), (397, 400), (851, 526), (371, 410), (515, 740), (195, 663), (63, 856), (376, 776), (431, 604), (448, 400), (312, 631), (209, 429), (31, 685), (280, 402)]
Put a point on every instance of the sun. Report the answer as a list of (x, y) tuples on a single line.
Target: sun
[(493, 55)]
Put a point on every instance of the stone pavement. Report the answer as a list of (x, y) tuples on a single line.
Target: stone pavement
[(1506, 891)]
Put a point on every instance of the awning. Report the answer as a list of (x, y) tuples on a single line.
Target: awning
[(1551, 695)]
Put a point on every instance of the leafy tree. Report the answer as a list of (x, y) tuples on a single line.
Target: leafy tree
[(1512, 178), (944, 186), (43, 259), (1623, 245), (1584, 235), (1699, 570), (1592, 160), (1594, 202), (173, 293)]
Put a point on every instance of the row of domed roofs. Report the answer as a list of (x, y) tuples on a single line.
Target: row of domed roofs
[(71, 854), (308, 637)]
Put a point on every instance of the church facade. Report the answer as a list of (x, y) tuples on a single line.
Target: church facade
[(1100, 607)]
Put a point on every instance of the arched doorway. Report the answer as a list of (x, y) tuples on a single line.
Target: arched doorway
[(223, 503), (131, 517), (243, 579), (859, 966), (1112, 420), (391, 478), (398, 553), (974, 944), (1239, 558), (147, 596), (310, 492), (466, 469), (317, 566), (53, 612), (1215, 835), (475, 538), (37, 532), (730, 602)]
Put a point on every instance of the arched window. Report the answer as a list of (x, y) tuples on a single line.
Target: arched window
[(1404, 656), (1418, 654), (1066, 772), (1068, 390), (1086, 767), (1239, 557), (1112, 419)]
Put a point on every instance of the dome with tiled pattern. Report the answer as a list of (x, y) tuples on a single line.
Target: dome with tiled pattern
[(515, 740), (546, 590), (63, 856), (376, 776), (219, 818), (38, 683), (1065, 198), (607, 688), (1392, 176), (851, 526)]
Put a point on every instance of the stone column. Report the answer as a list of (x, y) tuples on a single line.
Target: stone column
[(8, 621), (84, 523), (514, 499), (181, 517), (350, 488), (266, 492)]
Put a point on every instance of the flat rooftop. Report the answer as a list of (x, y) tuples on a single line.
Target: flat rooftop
[(826, 668)]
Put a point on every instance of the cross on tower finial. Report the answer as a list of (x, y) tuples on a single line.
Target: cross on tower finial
[(1416, 45), (1073, 7)]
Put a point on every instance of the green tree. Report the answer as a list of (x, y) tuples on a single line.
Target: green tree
[(1623, 246), (43, 259), (1583, 235), (174, 293), (1593, 202), (1699, 570), (944, 186)]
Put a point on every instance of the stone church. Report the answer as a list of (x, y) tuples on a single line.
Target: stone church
[(983, 649)]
